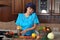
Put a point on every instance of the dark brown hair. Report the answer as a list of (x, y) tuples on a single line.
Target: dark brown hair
[(33, 6)]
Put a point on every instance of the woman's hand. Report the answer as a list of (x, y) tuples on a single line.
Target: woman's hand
[(23, 32), (19, 27)]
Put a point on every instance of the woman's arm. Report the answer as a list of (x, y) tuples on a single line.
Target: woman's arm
[(33, 28)]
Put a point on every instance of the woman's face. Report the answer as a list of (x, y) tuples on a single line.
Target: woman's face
[(30, 10)]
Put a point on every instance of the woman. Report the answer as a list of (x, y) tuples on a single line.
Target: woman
[(28, 20)]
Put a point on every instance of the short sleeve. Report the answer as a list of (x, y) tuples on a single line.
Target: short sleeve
[(18, 20), (36, 21)]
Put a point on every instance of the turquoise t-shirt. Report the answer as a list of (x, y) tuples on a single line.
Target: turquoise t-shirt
[(27, 22)]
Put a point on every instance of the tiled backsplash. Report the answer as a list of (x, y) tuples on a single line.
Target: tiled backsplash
[(54, 27), (8, 25), (11, 25)]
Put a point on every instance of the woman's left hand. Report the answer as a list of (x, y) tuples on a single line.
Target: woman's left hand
[(24, 31)]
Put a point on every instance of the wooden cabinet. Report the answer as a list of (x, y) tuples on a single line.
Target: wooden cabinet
[(9, 9), (51, 11), (16, 6), (43, 7), (48, 7), (19, 5), (56, 7), (4, 2), (25, 2), (6, 11)]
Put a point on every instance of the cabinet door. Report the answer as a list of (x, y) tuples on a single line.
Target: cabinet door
[(43, 7), (19, 5), (25, 2), (56, 7), (5, 2), (16, 6), (4, 10)]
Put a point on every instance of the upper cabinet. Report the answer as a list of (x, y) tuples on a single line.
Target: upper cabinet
[(5, 2), (56, 7), (9, 9), (16, 6), (6, 12), (19, 5), (48, 7), (43, 7), (24, 3)]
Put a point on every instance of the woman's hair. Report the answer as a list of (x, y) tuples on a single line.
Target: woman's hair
[(33, 6)]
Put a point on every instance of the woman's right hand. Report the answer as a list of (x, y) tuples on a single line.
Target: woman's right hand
[(23, 32), (18, 27)]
